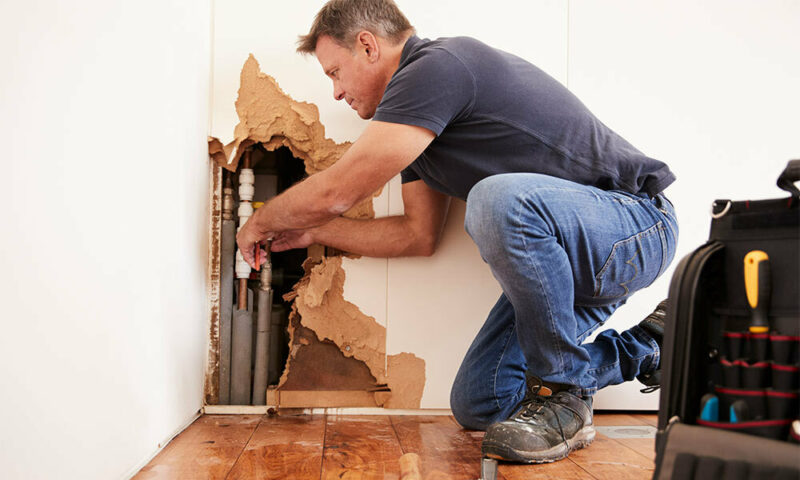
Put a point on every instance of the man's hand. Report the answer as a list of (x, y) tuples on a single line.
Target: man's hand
[(292, 239), (247, 238)]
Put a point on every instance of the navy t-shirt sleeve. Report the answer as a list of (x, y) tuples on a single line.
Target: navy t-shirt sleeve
[(431, 91)]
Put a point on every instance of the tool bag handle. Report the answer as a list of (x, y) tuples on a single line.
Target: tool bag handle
[(789, 176)]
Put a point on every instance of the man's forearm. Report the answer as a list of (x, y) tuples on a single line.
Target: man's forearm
[(380, 237)]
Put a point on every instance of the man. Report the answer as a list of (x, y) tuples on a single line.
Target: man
[(569, 216)]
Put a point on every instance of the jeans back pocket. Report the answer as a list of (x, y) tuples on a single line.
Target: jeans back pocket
[(634, 263)]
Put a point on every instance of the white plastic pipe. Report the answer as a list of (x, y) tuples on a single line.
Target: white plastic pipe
[(247, 180)]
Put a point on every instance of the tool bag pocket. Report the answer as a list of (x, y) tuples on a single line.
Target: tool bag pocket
[(696, 452), (785, 377), (759, 404), (774, 429), (694, 467), (785, 348)]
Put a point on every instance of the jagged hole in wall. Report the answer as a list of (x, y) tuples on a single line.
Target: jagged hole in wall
[(334, 355)]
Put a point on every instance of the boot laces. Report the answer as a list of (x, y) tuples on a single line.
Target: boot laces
[(536, 406)]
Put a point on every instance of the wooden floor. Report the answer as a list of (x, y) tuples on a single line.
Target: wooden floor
[(368, 447)]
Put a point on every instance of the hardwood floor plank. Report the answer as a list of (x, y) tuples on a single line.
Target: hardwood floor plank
[(608, 459), (360, 447), (643, 446), (650, 418), (206, 450), (441, 444), (617, 419), (283, 447)]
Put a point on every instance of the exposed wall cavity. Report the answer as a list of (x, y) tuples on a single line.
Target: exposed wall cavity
[(337, 353)]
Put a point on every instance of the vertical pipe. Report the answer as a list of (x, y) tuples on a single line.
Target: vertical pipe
[(262, 333), (274, 364), (242, 331), (246, 191), (228, 245), (242, 353)]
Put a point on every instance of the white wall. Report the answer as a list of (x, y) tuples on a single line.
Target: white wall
[(103, 117), (711, 89)]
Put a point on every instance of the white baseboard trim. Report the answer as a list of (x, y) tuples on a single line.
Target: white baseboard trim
[(262, 409)]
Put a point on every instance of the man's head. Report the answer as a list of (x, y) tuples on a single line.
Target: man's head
[(358, 43)]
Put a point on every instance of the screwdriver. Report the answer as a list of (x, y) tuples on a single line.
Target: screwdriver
[(757, 284)]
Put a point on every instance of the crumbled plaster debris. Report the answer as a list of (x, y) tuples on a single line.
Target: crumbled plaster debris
[(270, 117)]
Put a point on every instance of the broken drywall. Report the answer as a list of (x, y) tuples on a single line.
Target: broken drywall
[(320, 306), (269, 117), (324, 310)]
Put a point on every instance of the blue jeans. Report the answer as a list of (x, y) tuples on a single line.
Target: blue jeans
[(566, 256)]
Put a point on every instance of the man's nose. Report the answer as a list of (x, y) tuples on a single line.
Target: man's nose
[(338, 92)]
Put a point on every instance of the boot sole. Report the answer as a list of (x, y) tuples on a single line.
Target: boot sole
[(582, 439)]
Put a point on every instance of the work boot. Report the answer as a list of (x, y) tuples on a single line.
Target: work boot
[(545, 428), (653, 324)]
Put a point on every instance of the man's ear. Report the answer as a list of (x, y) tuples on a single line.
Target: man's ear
[(367, 43)]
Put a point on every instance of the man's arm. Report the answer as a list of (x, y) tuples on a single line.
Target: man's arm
[(382, 151), (415, 233)]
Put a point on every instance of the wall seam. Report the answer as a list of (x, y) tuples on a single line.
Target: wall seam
[(569, 8), (212, 55)]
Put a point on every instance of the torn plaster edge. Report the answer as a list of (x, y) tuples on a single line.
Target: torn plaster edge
[(213, 282), (163, 444), (264, 409), (365, 286), (360, 274), (316, 304)]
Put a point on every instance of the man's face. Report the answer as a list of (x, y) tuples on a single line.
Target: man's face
[(357, 77)]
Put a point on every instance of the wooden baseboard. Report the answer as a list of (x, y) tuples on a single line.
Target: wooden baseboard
[(321, 398)]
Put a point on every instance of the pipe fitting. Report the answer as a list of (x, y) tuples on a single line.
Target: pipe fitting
[(242, 268)]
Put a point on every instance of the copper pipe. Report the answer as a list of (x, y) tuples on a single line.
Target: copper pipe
[(242, 304)]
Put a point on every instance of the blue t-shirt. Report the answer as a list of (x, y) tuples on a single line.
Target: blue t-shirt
[(493, 112)]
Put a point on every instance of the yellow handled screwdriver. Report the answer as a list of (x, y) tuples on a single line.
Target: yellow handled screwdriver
[(757, 284)]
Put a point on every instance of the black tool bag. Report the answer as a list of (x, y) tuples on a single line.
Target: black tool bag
[(730, 368)]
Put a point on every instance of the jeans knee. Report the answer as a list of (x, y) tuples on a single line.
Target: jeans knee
[(464, 410), (476, 408)]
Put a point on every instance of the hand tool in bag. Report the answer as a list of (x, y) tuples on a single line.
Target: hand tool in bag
[(739, 412), (757, 284), (709, 408)]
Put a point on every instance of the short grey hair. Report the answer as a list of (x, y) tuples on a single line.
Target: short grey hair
[(342, 20)]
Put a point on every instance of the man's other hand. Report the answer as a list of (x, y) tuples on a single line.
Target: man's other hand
[(292, 239)]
